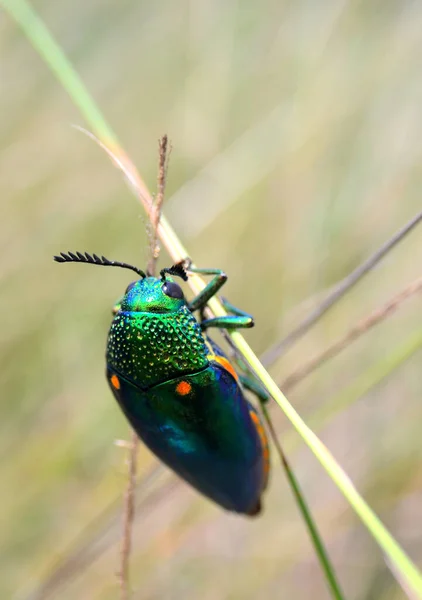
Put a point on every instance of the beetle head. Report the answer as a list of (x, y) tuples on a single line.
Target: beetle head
[(148, 294), (153, 295)]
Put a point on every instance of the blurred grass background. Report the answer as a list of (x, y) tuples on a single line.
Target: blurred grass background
[(297, 147)]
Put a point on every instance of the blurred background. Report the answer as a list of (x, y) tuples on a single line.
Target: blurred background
[(297, 145)]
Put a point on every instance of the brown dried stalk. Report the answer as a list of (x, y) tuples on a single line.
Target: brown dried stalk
[(128, 515), (129, 499), (359, 329), (163, 154), (280, 347)]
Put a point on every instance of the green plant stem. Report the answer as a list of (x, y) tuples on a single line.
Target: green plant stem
[(47, 47), (41, 39), (343, 482), (316, 539)]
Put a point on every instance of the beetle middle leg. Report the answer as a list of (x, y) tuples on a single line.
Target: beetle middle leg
[(239, 319)]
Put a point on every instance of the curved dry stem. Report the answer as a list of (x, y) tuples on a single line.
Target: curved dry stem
[(128, 517), (376, 317), (280, 347), (129, 501), (98, 537)]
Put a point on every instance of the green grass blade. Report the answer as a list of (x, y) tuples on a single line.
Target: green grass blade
[(390, 547), (316, 539), (371, 377), (319, 547), (41, 39), (361, 385)]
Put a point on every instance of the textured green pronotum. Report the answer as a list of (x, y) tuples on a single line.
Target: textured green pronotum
[(403, 567), (154, 347)]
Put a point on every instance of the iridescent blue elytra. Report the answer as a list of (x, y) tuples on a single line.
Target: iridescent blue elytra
[(180, 392)]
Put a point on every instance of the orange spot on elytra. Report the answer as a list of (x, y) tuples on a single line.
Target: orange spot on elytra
[(115, 382), (183, 388)]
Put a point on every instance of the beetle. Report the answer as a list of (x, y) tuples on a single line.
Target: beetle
[(178, 389)]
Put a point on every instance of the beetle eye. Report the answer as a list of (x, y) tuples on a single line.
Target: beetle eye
[(130, 286), (172, 290)]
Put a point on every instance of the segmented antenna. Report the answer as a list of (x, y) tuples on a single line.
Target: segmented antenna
[(178, 270), (95, 260)]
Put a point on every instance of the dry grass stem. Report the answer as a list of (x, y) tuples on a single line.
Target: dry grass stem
[(128, 516), (129, 501), (279, 348), (163, 153), (359, 329)]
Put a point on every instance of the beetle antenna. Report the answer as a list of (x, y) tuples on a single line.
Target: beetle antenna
[(178, 270), (95, 260)]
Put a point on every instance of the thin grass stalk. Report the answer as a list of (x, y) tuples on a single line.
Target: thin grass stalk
[(41, 39), (371, 377), (388, 544), (316, 539), (128, 518), (129, 502), (364, 325), (339, 290), (82, 553), (164, 150)]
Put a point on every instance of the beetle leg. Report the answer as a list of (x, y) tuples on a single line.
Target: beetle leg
[(209, 290), (239, 319), (249, 381), (229, 322), (252, 385), (230, 308)]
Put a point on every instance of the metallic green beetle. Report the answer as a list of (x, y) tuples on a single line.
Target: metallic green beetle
[(178, 389)]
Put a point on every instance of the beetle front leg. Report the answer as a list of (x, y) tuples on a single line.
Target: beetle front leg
[(210, 289), (239, 319)]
